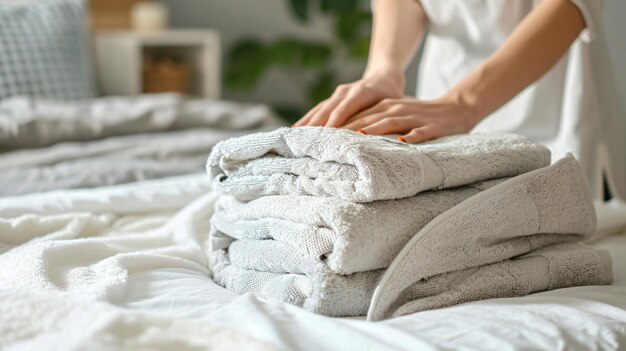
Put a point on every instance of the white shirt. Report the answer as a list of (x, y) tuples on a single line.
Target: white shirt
[(572, 108)]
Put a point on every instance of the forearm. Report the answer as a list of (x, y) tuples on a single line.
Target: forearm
[(537, 43), (397, 33)]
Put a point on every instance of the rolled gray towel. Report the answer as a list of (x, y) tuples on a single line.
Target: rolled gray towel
[(359, 168)]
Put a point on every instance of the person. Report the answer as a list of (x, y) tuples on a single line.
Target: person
[(536, 68)]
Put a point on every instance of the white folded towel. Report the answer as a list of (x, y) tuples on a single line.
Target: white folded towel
[(360, 168), (324, 292), (545, 207), (349, 237)]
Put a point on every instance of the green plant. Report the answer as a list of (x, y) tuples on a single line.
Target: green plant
[(316, 67)]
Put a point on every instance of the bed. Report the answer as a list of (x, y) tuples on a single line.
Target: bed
[(124, 267), (104, 218)]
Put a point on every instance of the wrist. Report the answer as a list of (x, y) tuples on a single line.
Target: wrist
[(476, 94), (389, 74), (468, 107)]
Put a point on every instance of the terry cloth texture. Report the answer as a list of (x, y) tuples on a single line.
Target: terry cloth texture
[(321, 291), (534, 210), (359, 168), (348, 237), (328, 255)]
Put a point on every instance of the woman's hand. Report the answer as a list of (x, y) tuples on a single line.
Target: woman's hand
[(350, 99), (418, 121), (398, 30)]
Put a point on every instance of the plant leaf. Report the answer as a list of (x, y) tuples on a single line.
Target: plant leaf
[(286, 52), (315, 55), (359, 49), (243, 49), (290, 113), (339, 6), (246, 63), (350, 24), (300, 10)]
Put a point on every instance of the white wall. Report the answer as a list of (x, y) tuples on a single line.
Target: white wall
[(268, 19)]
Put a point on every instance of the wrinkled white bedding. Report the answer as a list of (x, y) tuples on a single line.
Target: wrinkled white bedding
[(131, 257), (48, 144)]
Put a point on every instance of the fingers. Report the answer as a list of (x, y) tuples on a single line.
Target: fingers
[(336, 110), (355, 101), (367, 117), (390, 125), (382, 110), (365, 121), (378, 108), (420, 134), (321, 116)]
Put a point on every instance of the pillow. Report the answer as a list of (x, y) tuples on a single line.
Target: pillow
[(44, 51)]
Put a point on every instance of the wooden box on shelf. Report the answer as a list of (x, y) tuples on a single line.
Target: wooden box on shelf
[(130, 63), (165, 74), (110, 14)]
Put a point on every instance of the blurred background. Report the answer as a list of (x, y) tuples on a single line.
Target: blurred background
[(290, 54)]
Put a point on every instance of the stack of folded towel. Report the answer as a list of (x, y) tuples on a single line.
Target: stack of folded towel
[(345, 224)]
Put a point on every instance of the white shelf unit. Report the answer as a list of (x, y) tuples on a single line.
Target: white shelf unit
[(119, 59)]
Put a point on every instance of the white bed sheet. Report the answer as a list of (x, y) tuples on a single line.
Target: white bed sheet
[(582, 318)]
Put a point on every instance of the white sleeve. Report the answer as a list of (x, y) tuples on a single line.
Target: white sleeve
[(592, 13)]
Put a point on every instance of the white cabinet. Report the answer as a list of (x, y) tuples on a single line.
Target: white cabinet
[(120, 57)]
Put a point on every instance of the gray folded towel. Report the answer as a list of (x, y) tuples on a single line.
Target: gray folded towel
[(324, 292), (545, 207), (554, 267), (348, 237), (497, 224), (359, 168), (319, 290)]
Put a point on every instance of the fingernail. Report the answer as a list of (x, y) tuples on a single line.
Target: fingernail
[(401, 139), (361, 131)]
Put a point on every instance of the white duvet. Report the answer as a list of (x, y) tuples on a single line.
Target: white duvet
[(124, 267)]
